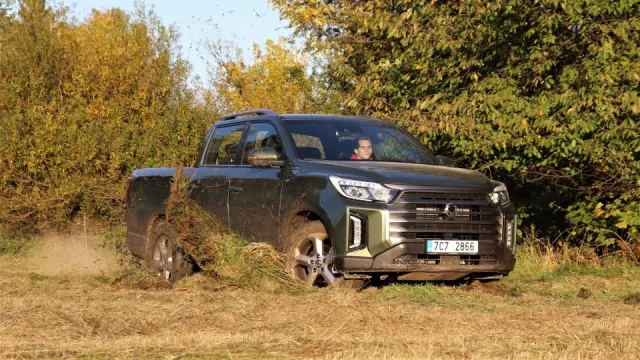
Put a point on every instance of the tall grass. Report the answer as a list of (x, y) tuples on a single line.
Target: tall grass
[(222, 255), (11, 242), (536, 262)]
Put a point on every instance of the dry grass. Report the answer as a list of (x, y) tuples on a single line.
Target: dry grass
[(535, 314)]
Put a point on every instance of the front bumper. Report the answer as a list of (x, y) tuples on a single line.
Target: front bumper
[(396, 236)]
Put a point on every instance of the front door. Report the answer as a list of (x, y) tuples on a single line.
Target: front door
[(254, 193)]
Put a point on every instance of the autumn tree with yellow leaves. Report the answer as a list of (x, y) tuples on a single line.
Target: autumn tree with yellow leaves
[(279, 77), (82, 105)]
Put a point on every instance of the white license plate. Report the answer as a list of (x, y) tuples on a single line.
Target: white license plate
[(452, 247)]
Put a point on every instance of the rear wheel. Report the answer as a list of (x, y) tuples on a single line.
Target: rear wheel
[(164, 254), (310, 258)]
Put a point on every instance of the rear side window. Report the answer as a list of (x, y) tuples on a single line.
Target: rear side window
[(309, 147), (224, 146), (261, 135)]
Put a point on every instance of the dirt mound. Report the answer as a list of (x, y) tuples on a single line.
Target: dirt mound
[(633, 299), (585, 293), (492, 288), (56, 254)]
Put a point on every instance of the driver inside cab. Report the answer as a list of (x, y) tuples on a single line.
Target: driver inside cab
[(363, 151)]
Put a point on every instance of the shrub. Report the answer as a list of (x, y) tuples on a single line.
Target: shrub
[(542, 95), (82, 105)]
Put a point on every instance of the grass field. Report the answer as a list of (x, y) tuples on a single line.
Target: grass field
[(68, 298)]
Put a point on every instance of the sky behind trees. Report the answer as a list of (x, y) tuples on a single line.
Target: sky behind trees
[(243, 21)]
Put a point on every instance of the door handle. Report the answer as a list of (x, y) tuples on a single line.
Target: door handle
[(235, 189)]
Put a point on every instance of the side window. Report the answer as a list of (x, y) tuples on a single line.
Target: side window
[(223, 146), (261, 135)]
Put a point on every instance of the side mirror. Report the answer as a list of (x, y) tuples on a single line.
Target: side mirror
[(264, 157), (444, 161)]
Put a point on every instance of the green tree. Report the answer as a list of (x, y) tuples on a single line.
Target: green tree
[(543, 95)]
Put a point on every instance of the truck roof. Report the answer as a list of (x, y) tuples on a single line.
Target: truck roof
[(272, 115), (324, 117)]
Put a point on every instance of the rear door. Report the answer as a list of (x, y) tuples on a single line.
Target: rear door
[(254, 193), (210, 185)]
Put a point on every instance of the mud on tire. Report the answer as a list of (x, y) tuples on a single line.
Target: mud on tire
[(163, 253)]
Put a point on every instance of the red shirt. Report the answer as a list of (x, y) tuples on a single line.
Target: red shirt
[(355, 157)]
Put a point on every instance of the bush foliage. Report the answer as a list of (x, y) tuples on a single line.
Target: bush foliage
[(84, 103), (277, 69), (543, 95)]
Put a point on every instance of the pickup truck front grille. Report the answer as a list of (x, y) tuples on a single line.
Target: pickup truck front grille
[(421, 216)]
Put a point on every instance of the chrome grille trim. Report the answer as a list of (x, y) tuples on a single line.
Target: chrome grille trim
[(419, 216)]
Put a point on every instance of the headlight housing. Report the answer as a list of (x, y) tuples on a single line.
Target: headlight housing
[(499, 196), (362, 190)]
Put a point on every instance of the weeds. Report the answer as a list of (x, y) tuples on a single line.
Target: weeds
[(11, 243), (537, 275), (140, 279), (535, 262), (426, 294), (37, 277), (221, 254)]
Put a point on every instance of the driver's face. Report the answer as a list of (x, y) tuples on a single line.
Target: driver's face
[(364, 149)]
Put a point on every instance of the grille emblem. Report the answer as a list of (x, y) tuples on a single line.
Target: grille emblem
[(450, 210)]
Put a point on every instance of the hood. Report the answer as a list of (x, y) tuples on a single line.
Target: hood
[(403, 174)]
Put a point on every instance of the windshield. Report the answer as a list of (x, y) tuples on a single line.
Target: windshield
[(353, 140)]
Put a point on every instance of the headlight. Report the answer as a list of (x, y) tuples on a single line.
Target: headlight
[(499, 195), (362, 190)]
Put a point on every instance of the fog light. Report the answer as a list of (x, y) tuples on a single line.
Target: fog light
[(511, 234), (357, 231)]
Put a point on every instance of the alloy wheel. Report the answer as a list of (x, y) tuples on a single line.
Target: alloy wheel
[(313, 261)]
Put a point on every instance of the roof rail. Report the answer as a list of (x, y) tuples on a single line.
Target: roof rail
[(250, 112)]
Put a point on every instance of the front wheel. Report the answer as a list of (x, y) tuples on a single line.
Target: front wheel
[(310, 256)]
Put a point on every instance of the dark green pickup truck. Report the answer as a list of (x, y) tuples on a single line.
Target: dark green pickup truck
[(345, 198)]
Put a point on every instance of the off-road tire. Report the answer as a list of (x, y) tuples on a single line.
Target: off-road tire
[(174, 264), (303, 258)]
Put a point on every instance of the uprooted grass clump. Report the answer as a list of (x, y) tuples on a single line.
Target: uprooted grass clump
[(221, 255), (138, 278)]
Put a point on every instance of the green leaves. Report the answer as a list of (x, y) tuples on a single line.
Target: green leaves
[(542, 95)]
